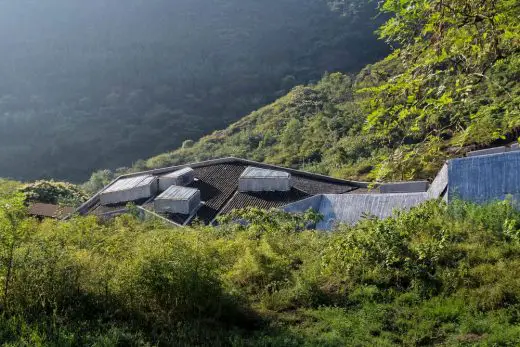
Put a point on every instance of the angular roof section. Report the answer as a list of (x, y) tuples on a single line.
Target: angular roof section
[(50, 211), (351, 208), (217, 181), (175, 174)]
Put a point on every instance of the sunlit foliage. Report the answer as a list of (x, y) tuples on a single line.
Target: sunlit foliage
[(438, 274)]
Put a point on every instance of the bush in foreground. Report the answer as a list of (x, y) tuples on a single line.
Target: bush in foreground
[(435, 275)]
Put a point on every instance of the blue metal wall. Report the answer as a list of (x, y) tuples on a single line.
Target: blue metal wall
[(351, 208), (478, 179), (485, 178)]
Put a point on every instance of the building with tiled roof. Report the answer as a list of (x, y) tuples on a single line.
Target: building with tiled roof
[(200, 192), (483, 176), (40, 210), (217, 182)]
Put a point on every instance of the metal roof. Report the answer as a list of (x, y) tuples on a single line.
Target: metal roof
[(179, 173), (264, 200), (129, 183), (240, 161), (177, 193), (217, 181), (256, 172), (311, 183)]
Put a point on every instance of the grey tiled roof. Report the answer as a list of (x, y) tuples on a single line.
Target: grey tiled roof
[(264, 200), (217, 181)]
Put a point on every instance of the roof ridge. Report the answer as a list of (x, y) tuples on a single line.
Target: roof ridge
[(228, 160)]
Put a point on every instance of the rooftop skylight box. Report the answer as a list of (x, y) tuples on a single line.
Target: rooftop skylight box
[(255, 179), (129, 189), (178, 199)]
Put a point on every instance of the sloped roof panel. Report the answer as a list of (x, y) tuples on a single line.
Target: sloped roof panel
[(129, 183), (177, 193)]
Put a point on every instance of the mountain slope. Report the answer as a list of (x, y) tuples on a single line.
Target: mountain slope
[(98, 84), (305, 128), (446, 89)]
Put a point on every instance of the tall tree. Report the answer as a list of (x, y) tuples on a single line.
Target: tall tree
[(457, 66)]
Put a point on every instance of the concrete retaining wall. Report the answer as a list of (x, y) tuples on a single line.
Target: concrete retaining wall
[(304, 205), (439, 184)]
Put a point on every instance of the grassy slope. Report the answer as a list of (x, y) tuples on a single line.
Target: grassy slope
[(437, 275), (8, 187), (320, 128)]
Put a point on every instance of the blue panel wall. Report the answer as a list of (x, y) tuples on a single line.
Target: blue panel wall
[(485, 178), (351, 208), (304, 205)]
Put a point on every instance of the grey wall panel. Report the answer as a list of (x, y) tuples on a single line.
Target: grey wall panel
[(487, 151), (439, 184), (313, 202), (186, 206), (485, 178), (255, 179), (276, 184), (351, 208), (181, 177), (178, 200), (404, 187), (128, 190)]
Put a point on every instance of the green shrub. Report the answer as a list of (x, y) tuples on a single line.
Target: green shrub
[(51, 192), (438, 274)]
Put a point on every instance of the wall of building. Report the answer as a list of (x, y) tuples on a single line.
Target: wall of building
[(485, 178), (351, 208)]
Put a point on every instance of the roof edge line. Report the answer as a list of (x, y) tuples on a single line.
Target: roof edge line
[(227, 160)]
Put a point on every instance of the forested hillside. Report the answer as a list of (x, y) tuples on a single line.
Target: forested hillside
[(99, 84), (450, 84)]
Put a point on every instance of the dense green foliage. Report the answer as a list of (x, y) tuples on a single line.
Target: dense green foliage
[(457, 81), (316, 128), (108, 83), (451, 84), (436, 275), (50, 192), (8, 187)]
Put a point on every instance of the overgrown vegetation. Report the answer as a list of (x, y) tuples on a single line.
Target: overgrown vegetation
[(450, 84), (51, 192), (435, 275)]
